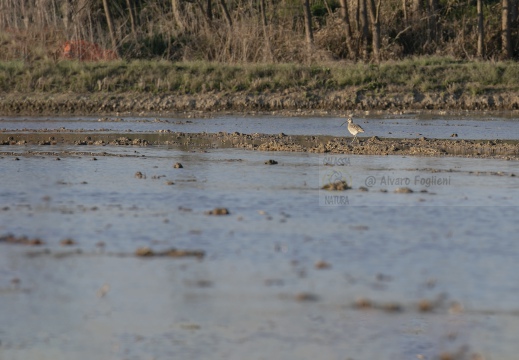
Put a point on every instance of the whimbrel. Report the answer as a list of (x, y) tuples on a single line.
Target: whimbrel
[(354, 129)]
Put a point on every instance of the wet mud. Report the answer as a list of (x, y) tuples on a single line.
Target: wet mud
[(502, 149), (300, 102)]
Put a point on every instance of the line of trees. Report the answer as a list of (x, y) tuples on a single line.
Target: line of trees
[(265, 30)]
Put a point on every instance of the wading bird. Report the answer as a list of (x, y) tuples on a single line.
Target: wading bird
[(354, 129)]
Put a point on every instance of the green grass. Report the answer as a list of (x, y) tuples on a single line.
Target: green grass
[(431, 74)]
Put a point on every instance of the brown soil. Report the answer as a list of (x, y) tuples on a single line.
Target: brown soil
[(503, 149), (148, 252), (299, 102)]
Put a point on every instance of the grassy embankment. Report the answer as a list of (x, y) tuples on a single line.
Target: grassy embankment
[(441, 76)]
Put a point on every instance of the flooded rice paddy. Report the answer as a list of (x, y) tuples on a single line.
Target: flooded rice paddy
[(111, 252), (404, 126)]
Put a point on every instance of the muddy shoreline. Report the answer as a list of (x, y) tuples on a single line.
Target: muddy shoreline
[(286, 103), (499, 149)]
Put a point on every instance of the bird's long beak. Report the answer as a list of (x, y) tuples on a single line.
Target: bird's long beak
[(343, 123)]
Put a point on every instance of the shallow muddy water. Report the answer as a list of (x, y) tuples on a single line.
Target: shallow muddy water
[(293, 272), (388, 127)]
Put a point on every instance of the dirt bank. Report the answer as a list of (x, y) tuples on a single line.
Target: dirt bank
[(300, 102), (508, 149)]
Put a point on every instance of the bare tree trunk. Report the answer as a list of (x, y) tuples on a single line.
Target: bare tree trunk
[(374, 14), (226, 13), (209, 10), (417, 8), (25, 15), (110, 25), (365, 29), (175, 5), (357, 16), (265, 30), (481, 30), (54, 14), (66, 13), (90, 30), (513, 13), (433, 19), (506, 41), (347, 28), (132, 17), (44, 14), (39, 15), (404, 10), (4, 17), (308, 25)]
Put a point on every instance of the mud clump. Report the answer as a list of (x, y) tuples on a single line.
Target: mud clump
[(67, 242), (178, 166), (363, 303), (125, 141), (306, 297), (403, 190), (321, 264), (22, 240), (392, 307), (425, 305), (281, 145), (218, 211), (175, 253), (336, 186), (140, 175)]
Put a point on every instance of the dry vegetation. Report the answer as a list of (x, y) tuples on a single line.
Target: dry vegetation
[(262, 31)]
